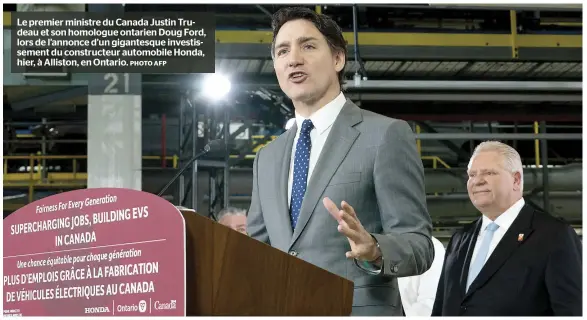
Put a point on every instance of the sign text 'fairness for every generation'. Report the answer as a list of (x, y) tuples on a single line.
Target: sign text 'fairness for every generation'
[(99, 43)]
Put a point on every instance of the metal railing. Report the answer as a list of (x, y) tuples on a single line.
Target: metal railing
[(36, 172), (36, 176), (35, 166), (435, 161)]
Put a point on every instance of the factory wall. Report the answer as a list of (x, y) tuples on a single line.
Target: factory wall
[(565, 191)]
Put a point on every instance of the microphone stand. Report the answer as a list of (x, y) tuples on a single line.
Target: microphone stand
[(206, 150)]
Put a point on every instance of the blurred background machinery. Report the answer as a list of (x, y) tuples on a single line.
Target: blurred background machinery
[(458, 74)]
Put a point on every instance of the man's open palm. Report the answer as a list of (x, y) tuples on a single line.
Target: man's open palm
[(363, 246)]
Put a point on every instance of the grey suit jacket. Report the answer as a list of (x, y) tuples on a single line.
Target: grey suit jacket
[(371, 162)]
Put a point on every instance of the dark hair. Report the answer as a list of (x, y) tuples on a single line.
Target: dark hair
[(327, 27)]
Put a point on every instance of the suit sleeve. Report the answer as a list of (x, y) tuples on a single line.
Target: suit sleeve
[(255, 222), (399, 186), (564, 275)]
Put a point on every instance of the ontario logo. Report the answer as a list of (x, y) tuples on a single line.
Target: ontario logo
[(171, 305), (142, 306)]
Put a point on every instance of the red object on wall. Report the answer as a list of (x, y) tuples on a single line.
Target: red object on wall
[(163, 140)]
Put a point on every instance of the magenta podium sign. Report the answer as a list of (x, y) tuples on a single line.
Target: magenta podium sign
[(95, 252)]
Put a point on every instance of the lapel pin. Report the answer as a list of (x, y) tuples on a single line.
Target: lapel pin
[(520, 237)]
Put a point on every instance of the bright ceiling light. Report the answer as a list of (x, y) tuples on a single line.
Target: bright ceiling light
[(216, 86)]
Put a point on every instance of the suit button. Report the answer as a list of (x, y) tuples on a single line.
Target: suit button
[(394, 268), (293, 253)]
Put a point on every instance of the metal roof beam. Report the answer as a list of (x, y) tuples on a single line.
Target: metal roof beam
[(49, 98), (449, 144), (470, 97), (483, 117), (497, 6), (499, 136), (467, 85)]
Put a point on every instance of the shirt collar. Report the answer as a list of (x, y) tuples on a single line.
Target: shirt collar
[(505, 220), (325, 116)]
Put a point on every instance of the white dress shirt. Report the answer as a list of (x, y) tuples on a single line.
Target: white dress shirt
[(504, 221), (322, 120), (419, 292)]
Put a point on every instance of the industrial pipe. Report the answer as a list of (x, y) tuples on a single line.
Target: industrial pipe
[(444, 209), (470, 6), (40, 141), (356, 38), (421, 136), (563, 180), (469, 97), (499, 136), (566, 178), (163, 140), (468, 85), (567, 205), (545, 176), (499, 6)]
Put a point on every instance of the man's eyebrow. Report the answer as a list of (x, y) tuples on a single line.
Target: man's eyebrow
[(305, 39), (479, 170), (282, 44), (298, 40)]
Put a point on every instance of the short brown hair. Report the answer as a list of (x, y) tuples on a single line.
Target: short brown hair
[(327, 27)]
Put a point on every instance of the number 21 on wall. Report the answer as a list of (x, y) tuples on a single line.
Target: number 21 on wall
[(113, 85)]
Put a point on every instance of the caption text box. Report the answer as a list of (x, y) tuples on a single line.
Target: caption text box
[(132, 42)]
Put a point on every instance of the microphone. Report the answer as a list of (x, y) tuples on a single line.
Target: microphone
[(212, 146)]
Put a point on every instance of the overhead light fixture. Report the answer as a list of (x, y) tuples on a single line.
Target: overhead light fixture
[(216, 87)]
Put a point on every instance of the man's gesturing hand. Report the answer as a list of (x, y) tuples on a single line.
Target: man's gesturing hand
[(363, 245)]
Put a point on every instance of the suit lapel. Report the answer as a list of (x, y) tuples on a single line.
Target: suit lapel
[(508, 244), (337, 145), (282, 176), (465, 260)]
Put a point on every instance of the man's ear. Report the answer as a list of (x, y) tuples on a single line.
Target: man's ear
[(339, 60), (517, 181)]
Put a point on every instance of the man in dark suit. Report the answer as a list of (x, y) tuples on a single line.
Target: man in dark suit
[(515, 260), (343, 188)]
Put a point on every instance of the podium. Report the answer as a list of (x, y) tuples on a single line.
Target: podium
[(231, 274)]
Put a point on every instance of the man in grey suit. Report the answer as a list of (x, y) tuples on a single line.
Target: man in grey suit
[(337, 153)]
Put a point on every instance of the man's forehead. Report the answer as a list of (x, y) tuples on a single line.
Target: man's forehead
[(233, 218), (486, 160), (297, 30), (486, 156)]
